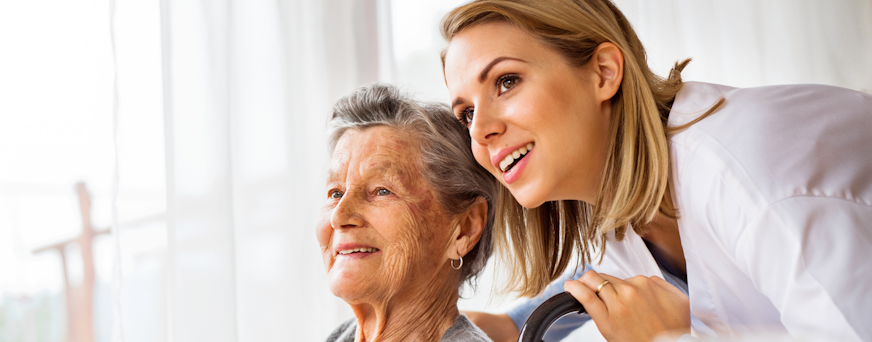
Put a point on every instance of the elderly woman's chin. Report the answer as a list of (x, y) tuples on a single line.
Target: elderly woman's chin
[(353, 285)]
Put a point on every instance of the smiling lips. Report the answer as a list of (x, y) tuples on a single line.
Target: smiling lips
[(358, 250), (513, 157)]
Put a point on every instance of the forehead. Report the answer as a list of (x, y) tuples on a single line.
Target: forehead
[(476, 46), (377, 148)]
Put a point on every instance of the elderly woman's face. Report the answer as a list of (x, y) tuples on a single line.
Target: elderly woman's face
[(382, 229)]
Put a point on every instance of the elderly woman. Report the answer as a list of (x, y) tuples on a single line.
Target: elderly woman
[(407, 219)]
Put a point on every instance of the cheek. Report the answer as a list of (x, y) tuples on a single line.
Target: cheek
[(409, 235), (324, 234), (482, 157), (401, 252), (530, 108), (418, 240), (431, 234), (553, 116)]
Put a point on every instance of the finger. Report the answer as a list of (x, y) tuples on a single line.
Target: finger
[(613, 285), (612, 279), (593, 280), (591, 302)]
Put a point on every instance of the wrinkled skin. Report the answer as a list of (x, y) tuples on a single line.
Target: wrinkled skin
[(377, 197)]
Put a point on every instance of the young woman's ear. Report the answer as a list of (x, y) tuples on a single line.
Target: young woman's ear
[(609, 67), (471, 224)]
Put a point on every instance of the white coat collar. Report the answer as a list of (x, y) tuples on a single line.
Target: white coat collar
[(628, 257)]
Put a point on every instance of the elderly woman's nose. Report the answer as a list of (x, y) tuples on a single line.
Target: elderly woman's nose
[(486, 125), (347, 213)]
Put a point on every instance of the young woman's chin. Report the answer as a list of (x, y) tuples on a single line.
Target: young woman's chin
[(543, 189), (528, 195)]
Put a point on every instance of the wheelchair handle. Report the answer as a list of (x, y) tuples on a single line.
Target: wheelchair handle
[(546, 314)]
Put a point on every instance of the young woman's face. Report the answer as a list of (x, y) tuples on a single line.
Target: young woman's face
[(513, 93)]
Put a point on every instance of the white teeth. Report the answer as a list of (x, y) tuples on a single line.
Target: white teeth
[(364, 250), (516, 154)]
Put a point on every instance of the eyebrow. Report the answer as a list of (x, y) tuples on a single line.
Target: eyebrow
[(332, 175), (487, 68), (384, 169), (483, 75)]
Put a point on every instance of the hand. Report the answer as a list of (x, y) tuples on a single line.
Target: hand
[(499, 327), (635, 309)]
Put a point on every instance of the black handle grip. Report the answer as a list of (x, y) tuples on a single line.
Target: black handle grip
[(546, 314)]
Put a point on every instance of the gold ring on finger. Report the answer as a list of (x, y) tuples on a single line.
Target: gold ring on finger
[(600, 287)]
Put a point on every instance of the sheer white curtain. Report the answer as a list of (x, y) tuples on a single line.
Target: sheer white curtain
[(247, 90), (247, 87), (747, 43)]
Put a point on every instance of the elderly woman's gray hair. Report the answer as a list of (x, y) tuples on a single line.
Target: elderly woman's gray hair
[(448, 163)]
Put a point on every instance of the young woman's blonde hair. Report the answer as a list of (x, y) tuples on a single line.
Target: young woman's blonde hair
[(538, 244)]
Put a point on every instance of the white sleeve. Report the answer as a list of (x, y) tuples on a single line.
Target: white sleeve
[(811, 257)]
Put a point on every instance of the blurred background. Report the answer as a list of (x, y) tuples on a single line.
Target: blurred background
[(161, 162)]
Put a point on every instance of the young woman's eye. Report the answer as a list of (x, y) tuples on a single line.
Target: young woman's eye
[(383, 192), (507, 82), (334, 194), (466, 116)]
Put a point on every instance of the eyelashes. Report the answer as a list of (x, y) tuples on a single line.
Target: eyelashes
[(506, 82), (337, 194), (465, 117), (334, 194), (502, 84)]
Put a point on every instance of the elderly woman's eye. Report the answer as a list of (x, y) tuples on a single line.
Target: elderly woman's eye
[(335, 194), (383, 192), (507, 82)]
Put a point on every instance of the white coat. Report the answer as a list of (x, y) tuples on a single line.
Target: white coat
[(774, 193)]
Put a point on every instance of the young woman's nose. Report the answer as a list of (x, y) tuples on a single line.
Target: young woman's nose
[(486, 125), (346, 214)]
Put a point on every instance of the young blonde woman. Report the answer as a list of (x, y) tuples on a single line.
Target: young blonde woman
[(758, 200)]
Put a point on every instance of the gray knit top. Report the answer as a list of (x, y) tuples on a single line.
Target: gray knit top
[(462, 331)]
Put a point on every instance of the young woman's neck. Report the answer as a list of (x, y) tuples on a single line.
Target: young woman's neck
[(422, 313)]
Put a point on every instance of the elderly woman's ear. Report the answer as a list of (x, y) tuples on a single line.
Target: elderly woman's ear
[(468, 228)]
